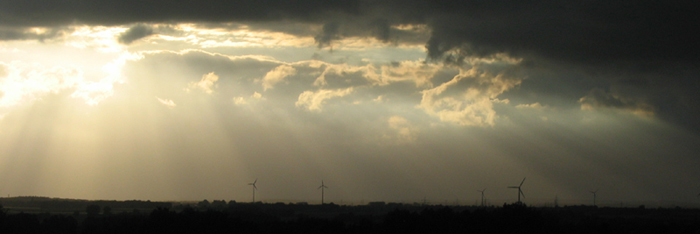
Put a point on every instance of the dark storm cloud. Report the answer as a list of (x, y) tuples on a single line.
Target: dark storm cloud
[(600, 98), (590, 31), (9, 34), (328, 34), (581, 30), (134, 33), (50, 13)]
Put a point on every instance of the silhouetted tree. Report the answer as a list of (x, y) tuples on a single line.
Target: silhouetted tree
[(218, 204), (203, 204)]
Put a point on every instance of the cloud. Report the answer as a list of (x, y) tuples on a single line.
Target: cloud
[(167, 102), (598, 98), (3, 70), (416, 71), (553, 29), (135, 33), (535, 105), (343, 74), (25, 82), (239, 101), (313, 101), (206, 84), (32, 33), (468, 98), (328, 34), (277, 75), (404, 131)]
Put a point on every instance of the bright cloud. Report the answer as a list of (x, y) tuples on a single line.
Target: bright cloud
[(403, 130), (313, 101), (535, 105), (100, 38), (277, 75), (167, 102), (468, 98), (418, 72), (598, 98), (206, 84), (245, 101), (24, 82)]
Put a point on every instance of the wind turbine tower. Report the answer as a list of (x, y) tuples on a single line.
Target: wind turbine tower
[(594, 196), (520, 191), (482, 196), (322, 188), (254, 188)]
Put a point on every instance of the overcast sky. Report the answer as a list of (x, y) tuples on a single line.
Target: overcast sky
[(382, 100)]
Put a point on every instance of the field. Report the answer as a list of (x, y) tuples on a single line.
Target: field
[(47, 215)]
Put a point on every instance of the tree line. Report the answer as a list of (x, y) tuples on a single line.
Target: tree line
[(285, 218)]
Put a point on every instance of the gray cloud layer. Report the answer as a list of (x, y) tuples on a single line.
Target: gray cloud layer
[(587, 30), (134, 33)]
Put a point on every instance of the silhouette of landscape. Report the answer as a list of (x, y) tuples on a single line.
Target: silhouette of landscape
[(53, 215)]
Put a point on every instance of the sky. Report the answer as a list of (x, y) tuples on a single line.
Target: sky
[(397, 101)]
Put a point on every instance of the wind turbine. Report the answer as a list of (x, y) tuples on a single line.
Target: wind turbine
[(254, 188), (482, 196), (322, 188), (520, 191), (594, 196)]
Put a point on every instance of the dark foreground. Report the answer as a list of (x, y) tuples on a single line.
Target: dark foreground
[(373, 218)]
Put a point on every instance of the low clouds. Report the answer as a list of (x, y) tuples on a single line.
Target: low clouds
[(277, 75), (468, 98), (135, 33), (3, 70), (404, 131), (328, 34), (207, 84), (167, 102), (239, 101), (23, 83), (38, 33), (314, 101), (464, 99), (598, 98)]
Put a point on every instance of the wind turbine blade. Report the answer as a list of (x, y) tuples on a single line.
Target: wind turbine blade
[(521, 193), (483, 190), (521, 183), (513, 187)]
